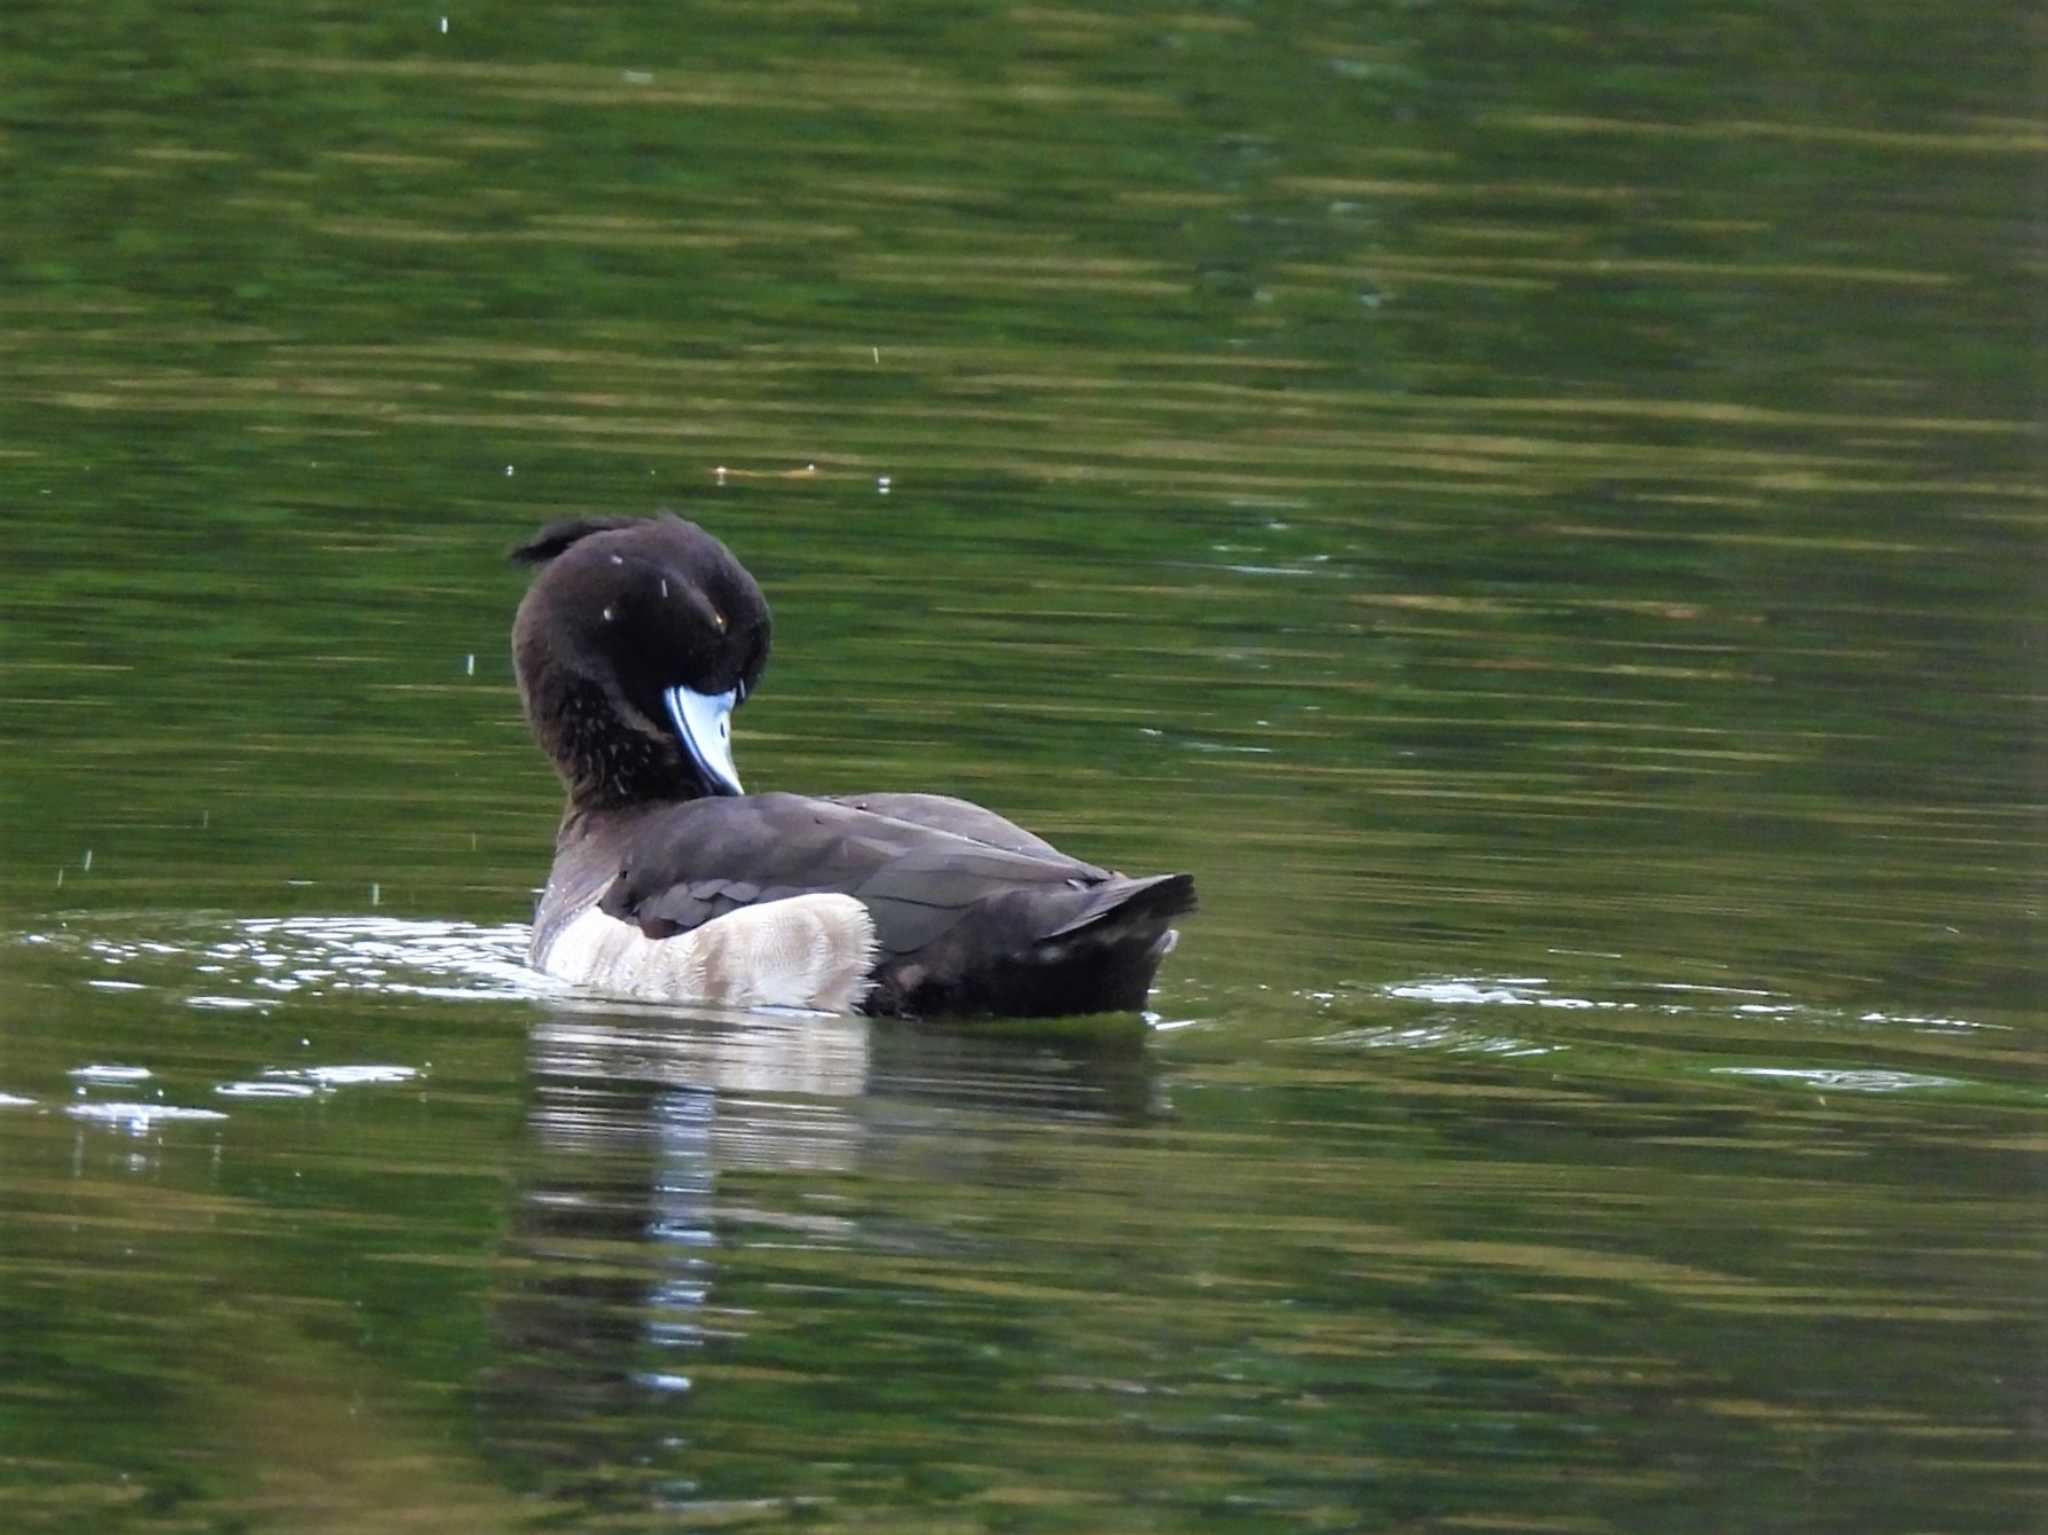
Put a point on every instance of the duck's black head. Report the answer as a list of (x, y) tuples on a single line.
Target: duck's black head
[(633, 645)]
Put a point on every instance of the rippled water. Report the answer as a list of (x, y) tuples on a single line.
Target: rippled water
[(1540, 514), (1296, 1256)]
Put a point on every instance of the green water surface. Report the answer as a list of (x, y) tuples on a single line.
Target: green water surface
[(1538, 507)]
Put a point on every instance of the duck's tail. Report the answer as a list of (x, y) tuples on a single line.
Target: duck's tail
[(1100, 955), (1123, 903), (1044, 951)]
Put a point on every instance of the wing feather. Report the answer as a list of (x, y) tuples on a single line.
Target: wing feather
[(915, 872)]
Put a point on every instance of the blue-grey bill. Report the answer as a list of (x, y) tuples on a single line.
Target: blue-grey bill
[(704, 721)]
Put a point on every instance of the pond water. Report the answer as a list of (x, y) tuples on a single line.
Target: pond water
[(1538, 509)]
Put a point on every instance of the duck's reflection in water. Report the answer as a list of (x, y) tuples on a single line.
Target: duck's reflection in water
[(606, 1298)]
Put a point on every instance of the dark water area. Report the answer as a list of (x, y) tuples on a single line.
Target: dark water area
[(1539, 509)]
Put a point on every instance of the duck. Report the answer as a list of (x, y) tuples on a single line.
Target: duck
[(637, 640)]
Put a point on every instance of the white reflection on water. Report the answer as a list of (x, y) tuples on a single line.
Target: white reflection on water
[(1433, 1036), (762, 1087), (327, 1078), (1914, 1021), (634, 1117), (310, 1081), (256, 962), (390, 955), (1457, 1009), (138, 1118), (1851, 1081), (110, 1073), (819, 1057), (252, 964), (1703, 1000), (1507, 991)]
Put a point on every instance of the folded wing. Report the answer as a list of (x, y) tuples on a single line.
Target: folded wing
[(710, 856)]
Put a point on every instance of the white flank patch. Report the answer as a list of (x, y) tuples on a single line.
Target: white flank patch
[(810, 951)]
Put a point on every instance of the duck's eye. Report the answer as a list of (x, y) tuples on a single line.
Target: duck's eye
[(718, 620)]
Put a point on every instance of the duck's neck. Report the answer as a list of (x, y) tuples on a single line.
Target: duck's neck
[(606, 762)]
